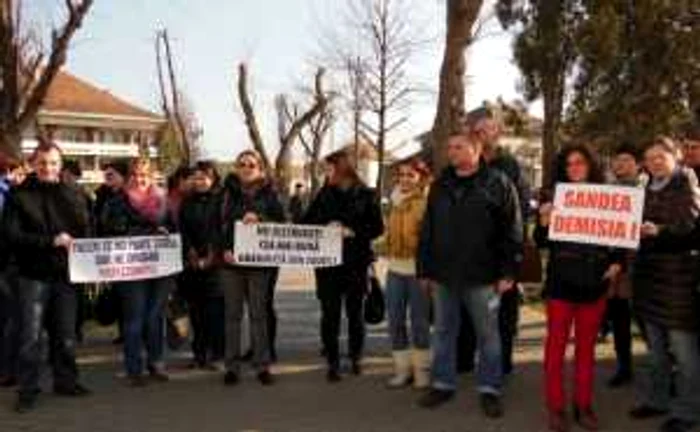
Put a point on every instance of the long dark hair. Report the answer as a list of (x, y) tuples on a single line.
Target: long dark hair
[(209, 170), (595, 169), (343, 163)]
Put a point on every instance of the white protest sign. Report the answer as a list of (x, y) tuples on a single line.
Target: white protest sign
[(125, 258), (604, 215), (278, 245)]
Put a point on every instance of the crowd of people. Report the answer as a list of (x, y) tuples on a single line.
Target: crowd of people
[(454, 243)]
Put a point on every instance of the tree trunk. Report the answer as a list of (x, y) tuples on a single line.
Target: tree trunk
[(11, 144), (461, 16)]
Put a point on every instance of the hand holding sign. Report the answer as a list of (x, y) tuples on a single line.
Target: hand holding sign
[(649, 229), (250, 218), (63, 240), (546, 213), (347, 232), (229, 257)]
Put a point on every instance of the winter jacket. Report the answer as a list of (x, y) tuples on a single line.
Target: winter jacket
[(199, 226), (356, 208), (235, 203), (403, 228), (508, 165), (4, 248), (36, 213), (472, 233), (666, 270), (120, 219), (103, 195), (575, 271)]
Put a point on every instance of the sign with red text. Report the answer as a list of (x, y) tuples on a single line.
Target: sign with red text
[(603, 215), (122, 259), (278, 245)]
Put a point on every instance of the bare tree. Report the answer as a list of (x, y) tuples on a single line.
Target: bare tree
[(379, 88), (182, 118), (313, 140), (27, 69), (291, 124), (462, 17)]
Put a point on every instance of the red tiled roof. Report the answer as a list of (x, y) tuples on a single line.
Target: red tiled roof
[(72, 94)]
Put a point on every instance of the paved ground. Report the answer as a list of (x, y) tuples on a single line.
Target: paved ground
[(302, 400)]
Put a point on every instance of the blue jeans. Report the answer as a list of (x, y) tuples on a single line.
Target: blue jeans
[(403, 293), (684, 347), (143, 307), (483, 304)]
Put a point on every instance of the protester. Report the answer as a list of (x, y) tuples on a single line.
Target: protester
[(577, 282), (199, 228), (484, 123), (179, 187), (297, 203), (470, 251), (404, 294), (249, 198), (11, 176), (42, 218), (691, 148), (345, 202), (665, 283), (115, 175), (140, 209), (626, 169)]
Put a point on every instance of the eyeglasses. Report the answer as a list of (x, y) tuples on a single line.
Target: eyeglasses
[(247, 165)]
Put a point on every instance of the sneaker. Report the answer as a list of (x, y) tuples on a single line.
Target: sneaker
[(266, 378), (677, 425), (25, 403), (77, 390), (491, 405), (620, 379), (433, 398), (586, 418), (332, 376), (231, 378), (558, 421), (643, 412), (137, 381)]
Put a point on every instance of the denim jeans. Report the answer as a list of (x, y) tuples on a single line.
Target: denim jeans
[(683, 345), (50, 306), (246, 286), (404, 294), (483, 305), (143, 306)]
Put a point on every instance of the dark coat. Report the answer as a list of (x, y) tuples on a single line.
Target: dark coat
[(235, 203), (508, 165), (199, 224), (36, 213), (472, 232), (356, 208), (119, 218), (575, 270), (666, 270)]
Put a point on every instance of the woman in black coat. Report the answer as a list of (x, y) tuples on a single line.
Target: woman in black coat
[(344, 201), (248, 197), (198, 222)]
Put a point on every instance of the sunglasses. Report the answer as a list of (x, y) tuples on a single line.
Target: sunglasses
[(247, 165)]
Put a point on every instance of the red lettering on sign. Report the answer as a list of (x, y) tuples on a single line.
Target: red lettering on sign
[(617, 202)]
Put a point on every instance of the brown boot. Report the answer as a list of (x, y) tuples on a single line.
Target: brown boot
[(558, 421)]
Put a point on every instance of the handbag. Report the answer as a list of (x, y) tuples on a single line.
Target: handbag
[(374, 304), (107, 307), (531, 267), (177, 322)]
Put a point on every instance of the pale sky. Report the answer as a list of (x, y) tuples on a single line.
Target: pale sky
[(278, 38)]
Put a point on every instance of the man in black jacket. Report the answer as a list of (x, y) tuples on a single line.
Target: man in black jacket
[(43, 217), (469, 253)]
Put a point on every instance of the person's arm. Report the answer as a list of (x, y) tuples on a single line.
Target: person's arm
[(511, 248), (17, 235), (315, 214), (369, 225), (425, 263), (683, 233), (274, 211)]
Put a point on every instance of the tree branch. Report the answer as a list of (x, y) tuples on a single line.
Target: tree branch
[(249, 115)]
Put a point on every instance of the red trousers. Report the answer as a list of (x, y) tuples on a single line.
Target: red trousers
[(586, 319)]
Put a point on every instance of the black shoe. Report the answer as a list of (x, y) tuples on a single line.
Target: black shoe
[(586, 418), (677, 425), (644, 412), (433, 398), (273, 355), (231, 378), (620, 379), (76, 390), (26, 403), (332, 376), (266, 378), (491, 405), (465, 368), (158, 374), (137, 381), (356, 367)]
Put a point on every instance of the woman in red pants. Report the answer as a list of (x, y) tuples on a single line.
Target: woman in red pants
[(575, 290)]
